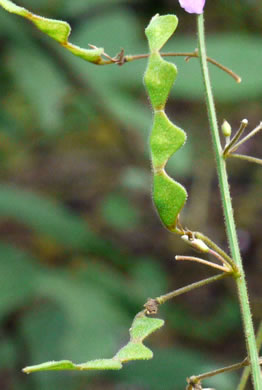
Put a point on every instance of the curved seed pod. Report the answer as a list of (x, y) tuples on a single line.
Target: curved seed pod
[(169, 196), (141, 328), (58, 30)]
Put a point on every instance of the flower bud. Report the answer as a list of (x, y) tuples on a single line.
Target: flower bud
[(196, 243), (226, 129)]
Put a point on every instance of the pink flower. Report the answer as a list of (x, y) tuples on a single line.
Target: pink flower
[(193, 6)]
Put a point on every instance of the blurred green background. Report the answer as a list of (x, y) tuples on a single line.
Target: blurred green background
[(81, 246)]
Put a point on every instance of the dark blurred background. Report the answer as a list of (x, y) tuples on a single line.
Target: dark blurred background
[(81, 246)]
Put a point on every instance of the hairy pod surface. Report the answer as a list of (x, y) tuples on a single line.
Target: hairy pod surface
[(168, 196)]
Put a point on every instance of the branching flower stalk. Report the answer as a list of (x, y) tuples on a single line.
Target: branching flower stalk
[(228, 213), (246, 138), (237, 141)]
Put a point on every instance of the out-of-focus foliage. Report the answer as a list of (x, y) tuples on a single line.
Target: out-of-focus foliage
[(81, 247)]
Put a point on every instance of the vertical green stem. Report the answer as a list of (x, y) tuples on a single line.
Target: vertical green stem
[(246, 372), (228, 212)]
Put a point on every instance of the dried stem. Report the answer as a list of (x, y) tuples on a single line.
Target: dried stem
[(194, 54), (221, 259), (202, 261)]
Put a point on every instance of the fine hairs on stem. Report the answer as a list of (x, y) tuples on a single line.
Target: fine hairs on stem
[(228, 212)]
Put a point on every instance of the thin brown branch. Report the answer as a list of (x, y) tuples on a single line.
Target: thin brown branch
[(221, 259), (196, 379), (194, 54), (202, 261)]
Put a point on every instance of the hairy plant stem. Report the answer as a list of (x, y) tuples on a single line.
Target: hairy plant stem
[(246, 371), (228, 212)]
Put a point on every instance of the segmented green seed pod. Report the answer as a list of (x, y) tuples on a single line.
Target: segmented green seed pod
[(168, 196)]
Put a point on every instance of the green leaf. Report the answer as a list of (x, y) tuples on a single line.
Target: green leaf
[(141, 328), (56, 29)]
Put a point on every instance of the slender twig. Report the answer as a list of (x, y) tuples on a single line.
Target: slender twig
[(233, 367), (166, 297), (194, 54), (246, 372), (247, 158), (225, 69), (221, 259), (249, 135), (228, 212), (202, 261), (236, 137)]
